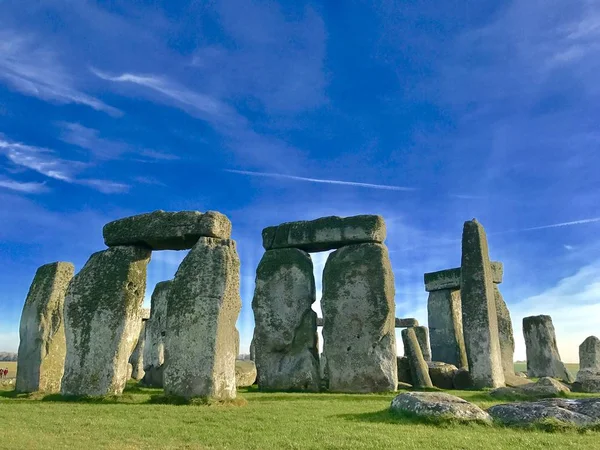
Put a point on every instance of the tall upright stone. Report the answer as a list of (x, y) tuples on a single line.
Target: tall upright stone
[(203, 306), (589, 354), (480, 322), (505, 335), (103, 320), (418, 366), (422, 334), (444, 312), (543, 359), (137, 356), (41, 354), (285, 333), (156, 331), (359, 319)]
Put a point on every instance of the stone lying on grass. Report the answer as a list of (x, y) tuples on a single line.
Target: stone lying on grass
[(578, 412), (437, 405), (245, 373), (588, 380), (545, 387), (442, 374)]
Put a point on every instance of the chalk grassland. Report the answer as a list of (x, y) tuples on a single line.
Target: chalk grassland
[(274, 420), (11, 366), (571, 367)]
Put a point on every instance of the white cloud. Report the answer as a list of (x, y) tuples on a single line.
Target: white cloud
[(27, 187)]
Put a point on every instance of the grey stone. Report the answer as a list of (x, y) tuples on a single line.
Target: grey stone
[(444, 313), (545, 387), (588, 380), (129, 370), (480, 322), (359, 310), (589, 354), (505, 335), (326, 233), (145, 313), (320, 321), (285, 331), (439, 405), (422, 334), (41, 355), (404, 373), (462, 380), (137, 356), (103, 319), (203, 305), (237, 342), (161, 230), (252, 350), (418, 366), (442, 374), (405, 323), (450, 278), (245, 373), (156, 331), (578, 412), (543, 359)]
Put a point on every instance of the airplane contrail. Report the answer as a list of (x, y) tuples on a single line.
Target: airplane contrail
[(318, 180), (554, 225)]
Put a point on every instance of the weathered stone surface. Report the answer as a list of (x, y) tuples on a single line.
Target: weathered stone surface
[(237, 342), (326, 233), (252, 350), (505, 334), (103, 320), (320, 321), (422, 334), (418, 366), (444, 313), (545, 387), (588, 380), (404, 373), (161, 230), (145, 313), (203, 305), (285, 331), (245, 373), (480, 322), (543, 359), (129, 370), (405, 323), (359, 310), (437, 404), (442, 374), (589, 354), (42, 350), (462, 380), (156, 331), (450, 278), (579, 412), (137, 356)]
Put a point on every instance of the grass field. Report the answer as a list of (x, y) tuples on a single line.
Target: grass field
[(522, 367), (11, 366)]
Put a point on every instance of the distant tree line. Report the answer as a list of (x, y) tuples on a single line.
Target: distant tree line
[(8, 356)]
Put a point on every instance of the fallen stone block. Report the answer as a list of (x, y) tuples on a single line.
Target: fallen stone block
[(578, 412), (438, 405)]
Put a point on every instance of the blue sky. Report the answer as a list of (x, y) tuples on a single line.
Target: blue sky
[(428, 113)]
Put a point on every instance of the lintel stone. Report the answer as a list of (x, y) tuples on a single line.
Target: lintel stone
[(450, 278)]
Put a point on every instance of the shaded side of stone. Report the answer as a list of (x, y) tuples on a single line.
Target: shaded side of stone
[(156, 331), (480, 323), (161, 230), (422, 334), (285, 331), (505, 334), (41, 354), (404, 372), (203, 305), (405, 323), (589, 354), (450, 278), (444, 314), (103, 320), (326, 233), (359, 311), (543, 359), (137, 356), (418, 366)]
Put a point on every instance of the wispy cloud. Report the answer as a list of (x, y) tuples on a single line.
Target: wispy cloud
[(554, 225), (26, 187), (319, 180), (90, 139), (31, 68)]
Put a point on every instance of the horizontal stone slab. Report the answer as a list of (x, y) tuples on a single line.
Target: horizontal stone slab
[(400, 323), (161, 230), (450, 278), (326, 233)]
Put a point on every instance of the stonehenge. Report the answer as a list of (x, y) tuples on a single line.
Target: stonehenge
[(137, 356), (156, 330), (41, 354), (422, 335), (418, 366), (588, 376)]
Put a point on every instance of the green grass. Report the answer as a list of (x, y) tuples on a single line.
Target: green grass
[(141, 419), (571, 367), (11, 366)]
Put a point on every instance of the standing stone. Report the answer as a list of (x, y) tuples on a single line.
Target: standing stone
[(444, 312), (418, 366), (156, 331), (103, 320), (41, 354), (422, 334), (480, 323), (589, 354), (505, 335), (285, 333), (252, 350), (203, 306), (237, 343), (543, 359), (359, 313), (137, 356)]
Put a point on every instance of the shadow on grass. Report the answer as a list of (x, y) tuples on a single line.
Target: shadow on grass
[(164, 399), (104, 399)]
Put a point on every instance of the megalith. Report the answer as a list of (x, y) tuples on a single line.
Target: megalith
[(203, 305), (285, 330), (505, 335), (480, 322), (41, 355), (543, 359), (422, 334), (589, 354), (444, 312), (103, 320), (418, 366), (359, 319), (137, 356), (156, 331)]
